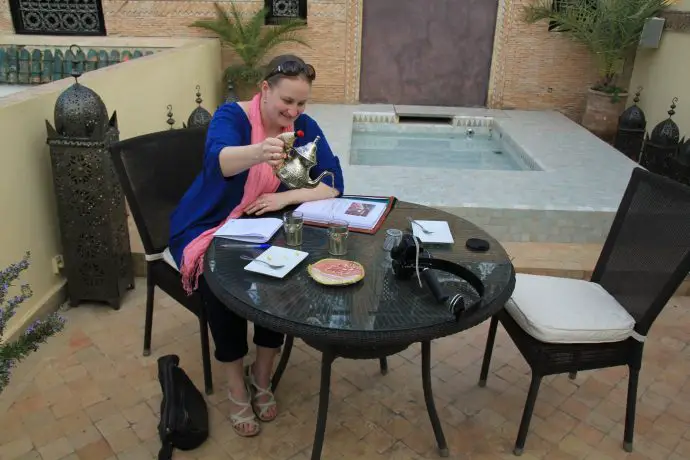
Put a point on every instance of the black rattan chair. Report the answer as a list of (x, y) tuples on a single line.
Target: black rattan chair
[(155, 171), (567, 325)]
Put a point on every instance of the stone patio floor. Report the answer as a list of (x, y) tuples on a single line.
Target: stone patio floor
[(89, 394)]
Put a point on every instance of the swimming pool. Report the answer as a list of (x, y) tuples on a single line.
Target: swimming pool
[(428, 145)]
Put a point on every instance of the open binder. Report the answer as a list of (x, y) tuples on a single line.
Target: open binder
[(364, 214)]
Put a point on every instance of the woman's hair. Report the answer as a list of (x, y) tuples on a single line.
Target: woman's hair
[(288, 66)]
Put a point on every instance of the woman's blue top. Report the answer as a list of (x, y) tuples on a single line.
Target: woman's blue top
[(212, 197)]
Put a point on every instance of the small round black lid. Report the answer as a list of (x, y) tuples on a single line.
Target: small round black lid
[(477, 244)]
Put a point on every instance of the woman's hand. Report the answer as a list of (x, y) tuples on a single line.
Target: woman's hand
[(267, 202), (271, 152)]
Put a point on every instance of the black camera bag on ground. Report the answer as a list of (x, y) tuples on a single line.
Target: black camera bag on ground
[(184, 414)]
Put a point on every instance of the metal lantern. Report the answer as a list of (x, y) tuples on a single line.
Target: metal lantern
[(661, 145), (170, 121), (631, 130), (91, 205), (199, 116), (680, 164), (231, 94)]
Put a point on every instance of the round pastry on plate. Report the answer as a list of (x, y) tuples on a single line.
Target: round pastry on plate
[(336, 272)]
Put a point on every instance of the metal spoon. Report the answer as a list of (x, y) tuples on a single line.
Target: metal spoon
[(273, 266), (412, 221)]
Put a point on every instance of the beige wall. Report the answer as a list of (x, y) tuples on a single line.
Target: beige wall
[(664, 73), (139, 90)]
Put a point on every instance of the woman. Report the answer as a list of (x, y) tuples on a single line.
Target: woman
[(238, 179)]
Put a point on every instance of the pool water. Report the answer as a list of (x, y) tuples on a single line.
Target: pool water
[(432, 146)]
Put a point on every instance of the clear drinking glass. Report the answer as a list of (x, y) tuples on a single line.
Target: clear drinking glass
[(337, 237), (293, 222), (393, 238)]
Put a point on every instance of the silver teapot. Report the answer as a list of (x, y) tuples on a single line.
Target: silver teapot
[(294, 172)]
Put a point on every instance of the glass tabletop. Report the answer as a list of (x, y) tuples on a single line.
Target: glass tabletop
[(379, 303)]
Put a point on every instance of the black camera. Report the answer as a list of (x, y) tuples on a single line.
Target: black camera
[(410, 257), (404, 256)]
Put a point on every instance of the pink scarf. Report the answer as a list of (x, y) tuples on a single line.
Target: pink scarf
[(261, 179)]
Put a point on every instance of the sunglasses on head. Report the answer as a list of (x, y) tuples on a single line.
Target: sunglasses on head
[(292, 69)]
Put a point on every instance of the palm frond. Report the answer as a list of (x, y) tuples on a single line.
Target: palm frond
[(256, 22), (242, 72), (249, 39), (221, 25), (608, 28), (286, 32), (237, 21)]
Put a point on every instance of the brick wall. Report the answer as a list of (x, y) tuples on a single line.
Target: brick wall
[(537, 69), (330, 34), (532, 68)]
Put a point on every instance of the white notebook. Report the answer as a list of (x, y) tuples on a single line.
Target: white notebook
[(258, 230), (440, 231)]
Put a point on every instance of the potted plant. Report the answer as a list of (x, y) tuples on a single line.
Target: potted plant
[(610, 29), (11, 352), (251, 41)]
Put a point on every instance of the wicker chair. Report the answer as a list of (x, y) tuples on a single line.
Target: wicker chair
[(155, 171), (566, 325)]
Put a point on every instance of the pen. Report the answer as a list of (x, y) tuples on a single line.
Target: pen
[(248, 245)]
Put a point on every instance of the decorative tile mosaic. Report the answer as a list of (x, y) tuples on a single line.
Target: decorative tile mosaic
[(374, 117), (472, 121), (31, 65)]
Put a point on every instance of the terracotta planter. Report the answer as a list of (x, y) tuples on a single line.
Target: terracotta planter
[(601, 114)]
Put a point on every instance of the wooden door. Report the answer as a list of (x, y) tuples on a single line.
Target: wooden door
[(427, 52)]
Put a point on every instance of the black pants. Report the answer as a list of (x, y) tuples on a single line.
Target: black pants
[(229, 330)]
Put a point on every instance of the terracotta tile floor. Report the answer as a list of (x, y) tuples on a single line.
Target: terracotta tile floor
[(89, 394)]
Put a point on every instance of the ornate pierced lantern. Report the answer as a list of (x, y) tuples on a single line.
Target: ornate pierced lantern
[(631, 130), (662, 145), (231, 95), (199, 116), (91, 207), (170, 121), (680, 164)]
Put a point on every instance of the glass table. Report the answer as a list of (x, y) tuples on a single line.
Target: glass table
[(372, 319)]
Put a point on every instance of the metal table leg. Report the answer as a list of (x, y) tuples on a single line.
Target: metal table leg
[(429, 399), (282, 364), (383, 364), (327, 358)]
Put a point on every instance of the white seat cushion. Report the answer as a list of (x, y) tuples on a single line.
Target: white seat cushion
[(168, 258), (564, 310)]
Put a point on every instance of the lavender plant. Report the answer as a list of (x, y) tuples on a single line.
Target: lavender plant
[(13, 352)]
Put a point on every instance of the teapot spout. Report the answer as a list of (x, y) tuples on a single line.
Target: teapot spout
[(315, 182)]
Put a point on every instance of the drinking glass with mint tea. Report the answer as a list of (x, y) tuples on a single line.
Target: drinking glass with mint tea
[(337, 237), (293, 222)]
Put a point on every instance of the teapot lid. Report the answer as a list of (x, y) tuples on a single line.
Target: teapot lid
[(308, 152)]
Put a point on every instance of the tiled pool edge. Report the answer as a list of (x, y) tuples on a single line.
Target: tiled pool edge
[(392, 117), (517, 149), (572, 200), (521, 223), (538, 225)]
